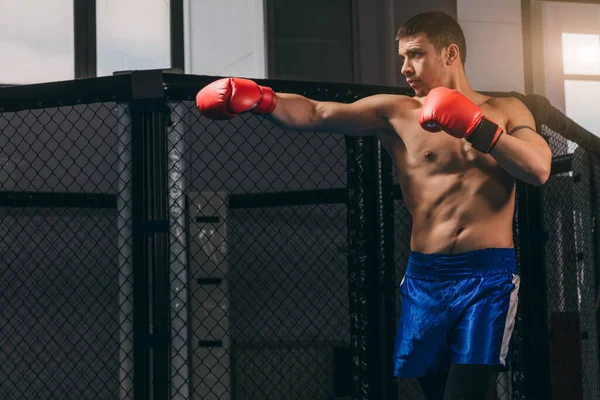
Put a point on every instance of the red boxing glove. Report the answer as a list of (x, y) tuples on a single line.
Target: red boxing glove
[(451, 111), (228, 97)]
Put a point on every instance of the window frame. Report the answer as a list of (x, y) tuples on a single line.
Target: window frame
[(85, 49), (575, 77)]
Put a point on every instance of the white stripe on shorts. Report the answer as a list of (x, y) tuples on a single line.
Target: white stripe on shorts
[(510, 319)]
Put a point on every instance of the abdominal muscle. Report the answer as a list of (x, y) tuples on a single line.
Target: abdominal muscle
[(457, 213), (460, 199)]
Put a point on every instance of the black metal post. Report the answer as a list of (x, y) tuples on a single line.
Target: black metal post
[(593, 162), (177, 35), (363, 269), (141, 286), (384, 230), (84, 20), (533, 294), (56, 200), (159, 248), (151, 235)]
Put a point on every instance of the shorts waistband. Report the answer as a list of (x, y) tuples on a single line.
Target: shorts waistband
[(462, 265)]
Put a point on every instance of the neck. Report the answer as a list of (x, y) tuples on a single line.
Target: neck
[(460, 83)]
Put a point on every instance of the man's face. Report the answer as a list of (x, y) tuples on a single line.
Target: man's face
[(422, 65)]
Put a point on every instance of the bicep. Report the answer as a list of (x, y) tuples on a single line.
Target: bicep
[(362, 117), (521, 124)]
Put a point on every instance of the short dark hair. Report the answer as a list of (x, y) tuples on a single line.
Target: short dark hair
[(441, 29)]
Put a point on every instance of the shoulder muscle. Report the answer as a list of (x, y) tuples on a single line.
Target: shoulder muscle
[(515, 112), (519, 121)]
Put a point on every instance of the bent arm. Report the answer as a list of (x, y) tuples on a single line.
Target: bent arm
[(362, 117), (524, 154)]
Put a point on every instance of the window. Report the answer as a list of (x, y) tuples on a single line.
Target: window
[(581, 69), (36, 41), (581, 54), (581, 101), (132, 34)]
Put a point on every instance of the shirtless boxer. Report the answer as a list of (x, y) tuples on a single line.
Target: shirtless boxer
[(458, 154)]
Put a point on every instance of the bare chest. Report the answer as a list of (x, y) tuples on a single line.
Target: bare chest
[(414, 148)]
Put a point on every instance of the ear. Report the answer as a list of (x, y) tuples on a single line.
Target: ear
[(452, 54)]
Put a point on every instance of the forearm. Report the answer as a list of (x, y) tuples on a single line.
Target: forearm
[(295, 112), (526, 161), (363, 117)]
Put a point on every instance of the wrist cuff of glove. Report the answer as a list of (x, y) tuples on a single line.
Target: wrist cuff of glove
[(485, 136), (267, 102)]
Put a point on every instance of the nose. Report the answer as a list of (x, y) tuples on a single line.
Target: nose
[(406, 68)]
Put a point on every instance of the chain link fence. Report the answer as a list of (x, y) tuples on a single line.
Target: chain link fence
[(570, 212), (266, 262), (257, 301), (65, 288)]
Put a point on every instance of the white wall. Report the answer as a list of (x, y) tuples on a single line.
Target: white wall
[(493, 31), (225, 38)]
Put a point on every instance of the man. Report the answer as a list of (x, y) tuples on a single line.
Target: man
[(458, 154)]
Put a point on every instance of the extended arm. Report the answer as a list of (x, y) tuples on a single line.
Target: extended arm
[(362, 117), (228, 97)]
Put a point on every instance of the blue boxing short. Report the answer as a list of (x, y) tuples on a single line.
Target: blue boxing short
[(456, 309)]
